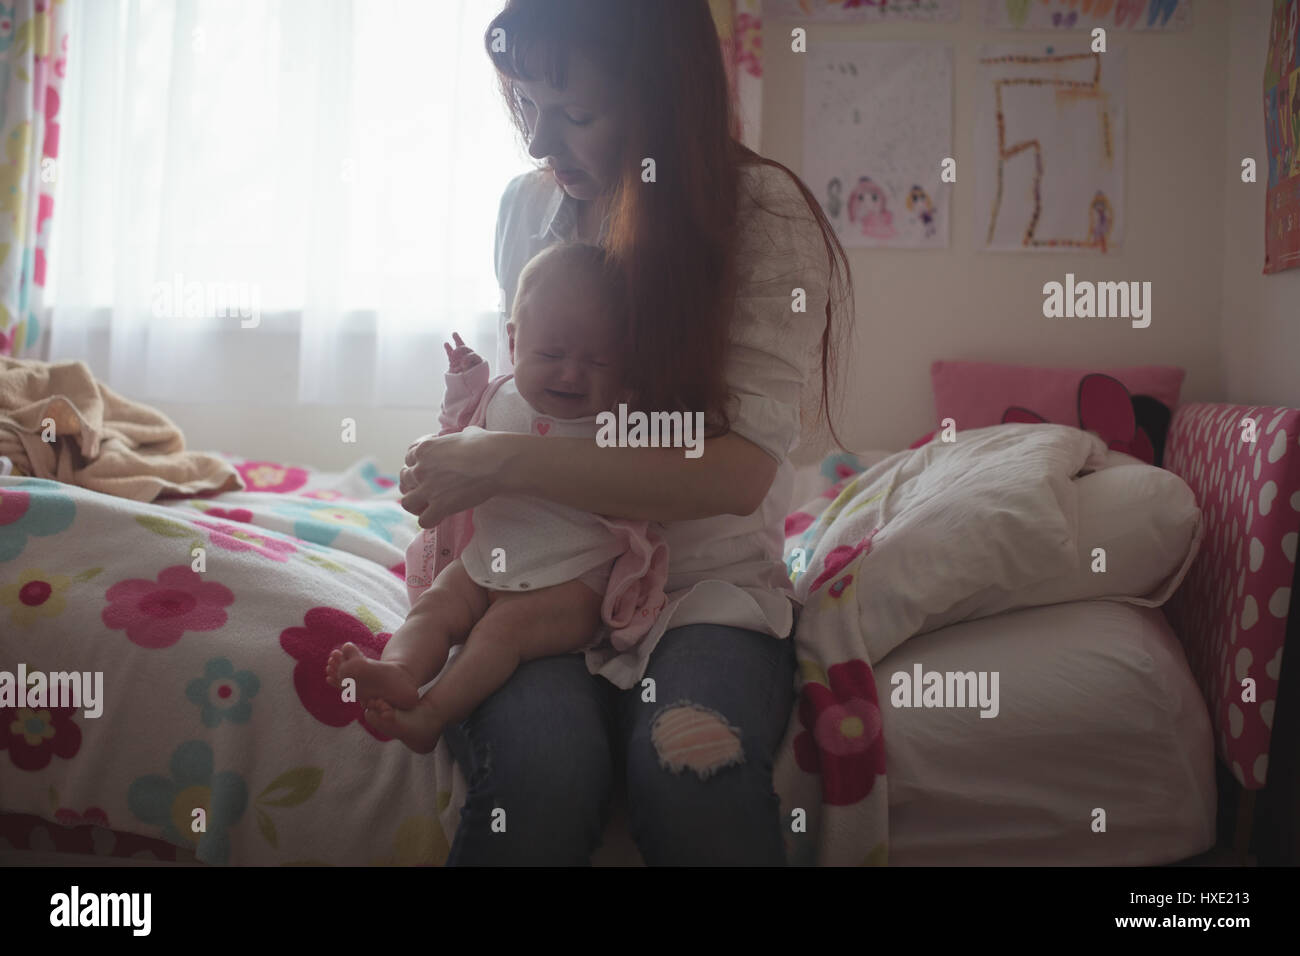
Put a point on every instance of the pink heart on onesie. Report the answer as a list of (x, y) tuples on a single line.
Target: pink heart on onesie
[(542, 426)]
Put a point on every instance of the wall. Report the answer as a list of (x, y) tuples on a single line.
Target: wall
[(959, 303), (1261, 314)]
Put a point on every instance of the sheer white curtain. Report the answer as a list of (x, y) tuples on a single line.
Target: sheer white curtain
[(279, 200)]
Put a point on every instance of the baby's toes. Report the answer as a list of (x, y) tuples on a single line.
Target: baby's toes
[(381, 716)]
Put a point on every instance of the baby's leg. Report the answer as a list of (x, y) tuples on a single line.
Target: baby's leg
[(443, 615), (515, 628)]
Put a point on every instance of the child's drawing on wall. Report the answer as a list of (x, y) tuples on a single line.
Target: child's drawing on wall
[(922, 209), (1100, 220), (869, 210), (1049, 148), (877, 129), (833, 198)]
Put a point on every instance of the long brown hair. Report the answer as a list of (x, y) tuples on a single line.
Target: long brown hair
[(675, 241)]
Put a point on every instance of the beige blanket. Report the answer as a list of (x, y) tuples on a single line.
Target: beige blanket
[(57, 422)]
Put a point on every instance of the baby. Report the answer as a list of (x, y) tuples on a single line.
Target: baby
[(518, 578)]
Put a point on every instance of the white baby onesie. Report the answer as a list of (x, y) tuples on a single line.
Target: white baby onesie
[(522, 543)]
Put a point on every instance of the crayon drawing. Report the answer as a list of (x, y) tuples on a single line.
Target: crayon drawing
[(1049, 149), (1282, 133), (862, 11), (877, 128), (1129, 15)]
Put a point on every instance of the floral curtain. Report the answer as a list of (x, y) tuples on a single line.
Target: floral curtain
[(740, 28), (33, 62)]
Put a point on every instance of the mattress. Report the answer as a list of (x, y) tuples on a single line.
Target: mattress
[(1097, 711)]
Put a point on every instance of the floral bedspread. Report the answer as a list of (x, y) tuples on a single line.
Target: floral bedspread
[(210, 621), (832, 763)]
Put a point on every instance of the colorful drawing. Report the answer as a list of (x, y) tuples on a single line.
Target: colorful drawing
[(1100, 219), (867, 11), (1049, 144), (1130, 15), (1282, 133), (868, 209), (877, 129), (920, 206), (833, 198)]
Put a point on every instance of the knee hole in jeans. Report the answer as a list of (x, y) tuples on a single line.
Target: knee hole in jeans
[(687, 736)]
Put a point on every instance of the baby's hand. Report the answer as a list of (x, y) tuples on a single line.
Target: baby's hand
[(462, 357)]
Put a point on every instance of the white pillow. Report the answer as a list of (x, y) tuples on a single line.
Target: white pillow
[(1144, 518)]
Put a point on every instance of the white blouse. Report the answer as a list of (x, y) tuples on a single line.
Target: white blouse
[(727, 569)]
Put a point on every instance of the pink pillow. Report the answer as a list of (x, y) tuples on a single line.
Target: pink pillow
[(977, 394)]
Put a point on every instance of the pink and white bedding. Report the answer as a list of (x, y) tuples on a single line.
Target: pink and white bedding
[(214, 694), (889, 550)]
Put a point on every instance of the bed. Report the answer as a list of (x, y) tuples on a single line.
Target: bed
[(216, 688)]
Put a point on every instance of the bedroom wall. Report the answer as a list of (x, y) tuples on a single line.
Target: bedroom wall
[(1261, 314), (959, 303)]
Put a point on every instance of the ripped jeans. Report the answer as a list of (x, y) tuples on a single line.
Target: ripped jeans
[(546, 746)]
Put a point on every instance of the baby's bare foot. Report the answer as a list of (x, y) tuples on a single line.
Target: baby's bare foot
[(419, 728), (386, 679), (332, 668)]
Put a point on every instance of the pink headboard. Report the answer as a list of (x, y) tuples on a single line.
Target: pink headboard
[(1231, 612)]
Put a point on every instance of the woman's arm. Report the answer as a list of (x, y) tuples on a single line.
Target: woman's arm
[(451, 473), (732, 476)]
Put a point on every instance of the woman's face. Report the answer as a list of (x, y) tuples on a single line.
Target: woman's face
[(577, 130)]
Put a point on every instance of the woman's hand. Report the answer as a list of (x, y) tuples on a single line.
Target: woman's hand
[(452, 473), (448, 474)]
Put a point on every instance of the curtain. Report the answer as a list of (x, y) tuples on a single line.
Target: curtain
[(740, 30), (33, 61), (275, 201)]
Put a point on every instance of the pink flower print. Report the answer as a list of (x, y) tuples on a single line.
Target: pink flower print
[(156, 614), (232, 538), (834, 490), (838, 558), (94, 816), (35, 735), (268, 476), (842, 737), (796, 522), (13, 505), (233, 514), (837, 589), (326, 494), (323, 630), (749, 44)]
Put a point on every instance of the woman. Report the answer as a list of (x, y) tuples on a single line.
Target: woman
[(731, 270)]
